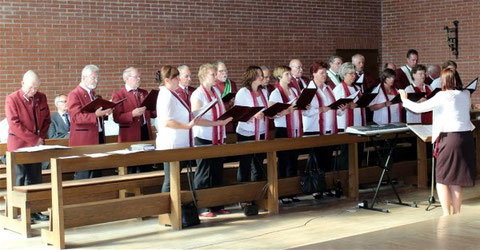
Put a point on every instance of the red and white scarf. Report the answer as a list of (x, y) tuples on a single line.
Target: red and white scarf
[(217, 111), (321, 114), (350, 113), (257, 122), (395, 93), (289, 117), (190, 133)]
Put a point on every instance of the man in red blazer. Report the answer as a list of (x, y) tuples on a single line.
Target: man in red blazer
[(86, 128), (363, 79), (298, 81), (133, 119), (28, 118), (403, 75), (185, 78)]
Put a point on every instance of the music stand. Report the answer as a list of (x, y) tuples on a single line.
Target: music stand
[(386, 161), (424, 132)]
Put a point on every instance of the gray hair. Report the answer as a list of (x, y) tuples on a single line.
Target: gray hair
[(57, 98), (333, 57), (87, 70), (29, 74), (357, 57), (345, 69), (127, 72), (218, 63), (263, 67), (182, 67)]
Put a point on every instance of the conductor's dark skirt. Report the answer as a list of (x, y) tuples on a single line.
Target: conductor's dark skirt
[(456, 159)]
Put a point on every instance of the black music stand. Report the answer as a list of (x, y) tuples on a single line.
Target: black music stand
[(424, 132), (386, 160)]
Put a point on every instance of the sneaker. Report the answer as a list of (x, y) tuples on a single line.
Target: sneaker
[(223, 211), (295, 199), (207, 214)]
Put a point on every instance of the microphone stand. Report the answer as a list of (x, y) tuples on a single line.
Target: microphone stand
[(431, 198)]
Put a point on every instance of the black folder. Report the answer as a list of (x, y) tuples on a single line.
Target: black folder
[(275, 109), (305, 98), (92, 106), (150, 102), (240, 113), (434, 92), (339, 102), (228, 97), (472, 86), (364, 100), (396, 99), (204, 109), (414, 97)]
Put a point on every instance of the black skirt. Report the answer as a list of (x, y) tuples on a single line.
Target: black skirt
[(456, 159)]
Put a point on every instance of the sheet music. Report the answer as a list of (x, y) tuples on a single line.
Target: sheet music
[(41, 148), (424, 132)]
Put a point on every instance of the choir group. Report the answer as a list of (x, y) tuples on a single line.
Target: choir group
[(29, 119)]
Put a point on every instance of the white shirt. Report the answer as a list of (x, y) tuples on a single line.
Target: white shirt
[(451, 111), (413, 117), (333, 77), (380, 116), (3, 130), (171, 108), (311, 117), (206, 133), (281, 122), (436, 84), (342, 117), (244, 98)]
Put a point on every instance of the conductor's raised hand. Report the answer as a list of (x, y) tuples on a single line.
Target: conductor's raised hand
[(403, 94)]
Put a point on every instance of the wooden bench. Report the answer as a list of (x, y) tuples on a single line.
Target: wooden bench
[(67, 216), (34, 198)]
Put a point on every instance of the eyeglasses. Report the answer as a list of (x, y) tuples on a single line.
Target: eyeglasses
[(135, 77), (297, 67), (223, 71)]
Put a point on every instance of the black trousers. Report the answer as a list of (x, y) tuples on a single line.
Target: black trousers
[(144, 136), (209, 172), (323, 154), (287, 160), (28, 174), (251, 166), (87, 174), (166, 169)]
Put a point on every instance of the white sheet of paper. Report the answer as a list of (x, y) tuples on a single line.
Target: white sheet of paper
[(422, 131), (97, 155), (41, 148), (122, 152), (360, 79)]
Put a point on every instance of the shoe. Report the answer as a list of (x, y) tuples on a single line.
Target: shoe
[(223, 211), (207, 214), (318, 196), (39, 217), (295, 199), (285, 201)]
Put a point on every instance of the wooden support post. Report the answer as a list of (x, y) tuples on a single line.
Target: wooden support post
[(422, 169), (122, 193), (11, 213), (272, 180), (175, 196), (353, 171)]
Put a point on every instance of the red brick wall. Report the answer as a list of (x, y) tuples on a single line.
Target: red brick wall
[(57, 38), (419, 25)]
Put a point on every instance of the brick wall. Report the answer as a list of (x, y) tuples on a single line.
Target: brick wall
[(420, 25), (57, 38)]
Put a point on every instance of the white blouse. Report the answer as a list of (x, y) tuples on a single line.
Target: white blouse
[(244, 98), (451, 111), (170, 108), (206, 133), (413, 117), (338, 92), (310, 117), (380, 116), (281, 122)]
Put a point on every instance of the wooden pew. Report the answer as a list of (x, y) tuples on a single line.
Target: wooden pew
[(35, 198), (67, 216)]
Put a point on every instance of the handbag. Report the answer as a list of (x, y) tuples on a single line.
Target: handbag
[(190, 210), (313, 179)]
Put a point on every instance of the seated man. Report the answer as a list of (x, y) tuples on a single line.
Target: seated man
[(60, 126)]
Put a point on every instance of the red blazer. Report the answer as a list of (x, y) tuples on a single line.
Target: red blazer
[(401, 80), (298, 86), (182, 95), (221, 86), (83, 125), (21, 131), (428, 80), (330, 83), (122, 114)]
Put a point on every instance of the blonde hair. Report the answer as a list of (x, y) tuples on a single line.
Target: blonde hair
[(278, 71), (203, 70)]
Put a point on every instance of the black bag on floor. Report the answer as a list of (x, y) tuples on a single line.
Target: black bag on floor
[(250, 210), (313, 179), (190, 210)]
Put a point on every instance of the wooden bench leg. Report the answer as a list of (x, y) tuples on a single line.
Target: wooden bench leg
[(26, 220), (353, 171), (272, 180), (175, 216), (422, 169)]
